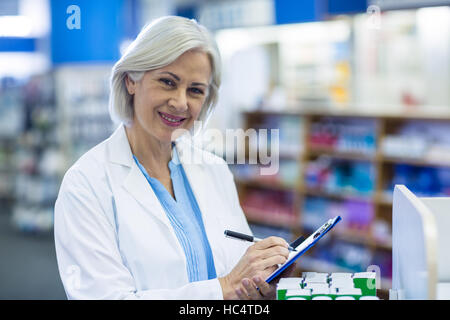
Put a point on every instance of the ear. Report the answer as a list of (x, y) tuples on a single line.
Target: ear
[(131, 85)]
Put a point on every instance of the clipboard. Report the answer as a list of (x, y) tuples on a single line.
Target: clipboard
[(304, 246)]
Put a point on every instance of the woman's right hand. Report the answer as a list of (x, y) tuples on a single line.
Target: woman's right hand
[(260, 260)]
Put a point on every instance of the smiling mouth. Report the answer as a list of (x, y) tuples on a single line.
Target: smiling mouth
[(171, 120)]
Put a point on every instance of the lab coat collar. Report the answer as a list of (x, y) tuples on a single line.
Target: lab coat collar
[(119, 150)]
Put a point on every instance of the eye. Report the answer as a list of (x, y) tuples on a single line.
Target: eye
[(197, 90), (167, 82)]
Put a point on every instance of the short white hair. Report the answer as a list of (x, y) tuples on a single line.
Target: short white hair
[(159, 44)]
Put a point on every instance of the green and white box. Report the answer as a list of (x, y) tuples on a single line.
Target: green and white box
[(366, 281), (355, 293), (315, 277), (345, 298), (316, 286), (369, 298), (322, 298), (342, 283), (293, 282), (288, 284), (298, 293), (340, 275), (320, 291), (308, 274)]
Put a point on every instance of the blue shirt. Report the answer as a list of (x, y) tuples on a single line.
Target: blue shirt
[(186, 219)]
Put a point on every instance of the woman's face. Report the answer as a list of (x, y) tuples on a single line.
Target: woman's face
[(171, 97)]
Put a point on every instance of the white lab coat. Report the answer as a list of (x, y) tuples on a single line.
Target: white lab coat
[(113, 238)]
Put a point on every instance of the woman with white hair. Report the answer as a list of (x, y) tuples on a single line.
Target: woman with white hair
[(135, 217)]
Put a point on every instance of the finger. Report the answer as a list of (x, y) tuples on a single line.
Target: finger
[(269, 270), (241, 294), (271, 262), (270, 242), (252, 292), (274, 251), (265, 289)]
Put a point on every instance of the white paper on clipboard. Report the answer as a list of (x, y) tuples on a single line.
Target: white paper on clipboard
[(304, 246)]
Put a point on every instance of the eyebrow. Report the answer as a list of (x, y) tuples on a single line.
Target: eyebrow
[(178, 79)]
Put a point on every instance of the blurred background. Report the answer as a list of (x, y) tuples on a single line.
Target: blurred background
[(359, 91)]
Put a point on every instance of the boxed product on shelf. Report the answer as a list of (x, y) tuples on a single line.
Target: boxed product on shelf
[(315, 277), (339, 276), (263, 231), (406, 147), (11, 108), (333, 286), (426, 140), (356, 215), (337, 176), (32, 219), (381, 231), (289, 128), (6, 170), (292, 282), (269, 206), (352, 256), (290, 135), (352, 293), (342, 257), (36, 175), (319, 297), (340, 283), (287, 175), (422, 180), (320, 290), (366, 282), (383, 259), (6, 184), (289, 172), (314, 211), (294, 294), (344, 135), (82, 96), (344, 254)]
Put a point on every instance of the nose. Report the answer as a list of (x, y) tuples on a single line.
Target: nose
[(178, 102)]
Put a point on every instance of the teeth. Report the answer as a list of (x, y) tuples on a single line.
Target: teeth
[(169, 119)]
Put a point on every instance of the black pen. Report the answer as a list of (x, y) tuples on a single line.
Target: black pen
[(246, 237)]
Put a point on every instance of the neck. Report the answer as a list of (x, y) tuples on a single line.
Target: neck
[(153, 154)]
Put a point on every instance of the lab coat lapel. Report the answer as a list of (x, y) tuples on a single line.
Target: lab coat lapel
[(119, 152), (138, 186)]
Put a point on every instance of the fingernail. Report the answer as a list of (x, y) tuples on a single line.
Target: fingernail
[(257, 279), (245, 282)]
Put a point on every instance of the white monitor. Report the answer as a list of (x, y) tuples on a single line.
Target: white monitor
[(440, 207), (414, 247)]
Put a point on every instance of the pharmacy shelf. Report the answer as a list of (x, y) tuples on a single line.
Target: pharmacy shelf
[(385, 123), (315, 151), (341, 195), (258, 216), (415, 162), (255, 183)]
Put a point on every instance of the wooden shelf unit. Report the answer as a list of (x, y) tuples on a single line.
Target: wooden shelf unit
[(385, 123)]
